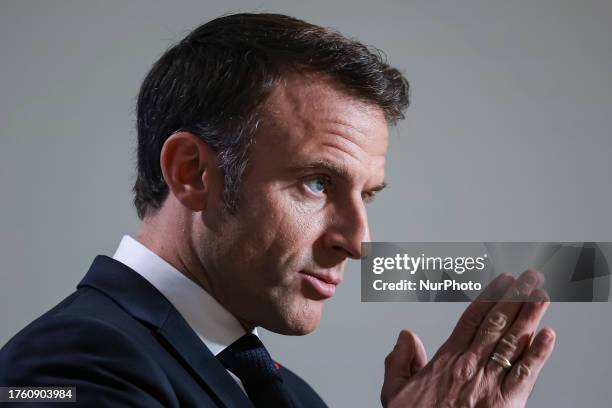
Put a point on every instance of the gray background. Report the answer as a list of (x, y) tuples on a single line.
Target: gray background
[(508, 139)]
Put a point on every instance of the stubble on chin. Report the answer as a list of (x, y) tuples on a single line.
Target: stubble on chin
[(302, 316)]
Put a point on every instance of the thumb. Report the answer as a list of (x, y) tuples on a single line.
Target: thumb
[(405, 360)]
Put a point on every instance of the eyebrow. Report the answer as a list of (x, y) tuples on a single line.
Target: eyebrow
[(336, 171)]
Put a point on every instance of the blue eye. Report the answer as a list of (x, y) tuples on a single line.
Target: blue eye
[(317, 185)]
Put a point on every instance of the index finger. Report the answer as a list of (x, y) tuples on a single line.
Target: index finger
[(472, 317)]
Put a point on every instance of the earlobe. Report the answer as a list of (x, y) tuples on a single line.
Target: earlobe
[(185, 160)]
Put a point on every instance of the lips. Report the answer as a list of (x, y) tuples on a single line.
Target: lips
[(330, 278), (321, 285)]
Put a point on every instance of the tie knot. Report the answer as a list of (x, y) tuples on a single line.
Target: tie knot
[(248, 358)]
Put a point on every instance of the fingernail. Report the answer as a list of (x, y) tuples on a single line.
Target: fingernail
[(547, 337), (529, 278), (524, 288)]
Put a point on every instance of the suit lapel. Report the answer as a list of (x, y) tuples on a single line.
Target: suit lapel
[(144, 302), (186, 343)]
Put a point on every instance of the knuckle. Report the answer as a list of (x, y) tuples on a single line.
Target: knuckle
[(524, 288), (486, 334), (497, 321), (470, 320), (523, 371), (494, 324), (520, 291), (509, 343), (514, 293), (465, 367)]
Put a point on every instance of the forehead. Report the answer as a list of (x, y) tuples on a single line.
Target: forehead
[(307, 116)]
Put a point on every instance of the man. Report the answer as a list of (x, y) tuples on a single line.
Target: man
[(260, 139)]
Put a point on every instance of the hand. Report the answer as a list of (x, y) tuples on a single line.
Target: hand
[(462, 374)]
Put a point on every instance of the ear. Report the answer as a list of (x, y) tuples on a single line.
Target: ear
[(188, 165)]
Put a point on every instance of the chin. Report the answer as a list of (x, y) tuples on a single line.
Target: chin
[(298, 322), (295, 329), (303, 329)]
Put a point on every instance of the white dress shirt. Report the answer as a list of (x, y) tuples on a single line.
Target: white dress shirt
[(214, 325)]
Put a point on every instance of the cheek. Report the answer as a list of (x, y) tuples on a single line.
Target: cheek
[(286, 220), (275, 234), (298, 226)]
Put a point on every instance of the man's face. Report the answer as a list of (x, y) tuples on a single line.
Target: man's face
[(318, 155)]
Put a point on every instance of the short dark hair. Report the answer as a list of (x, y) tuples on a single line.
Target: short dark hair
[(213, 82)]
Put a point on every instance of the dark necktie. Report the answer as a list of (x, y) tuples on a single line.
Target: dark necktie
[(249, 360)]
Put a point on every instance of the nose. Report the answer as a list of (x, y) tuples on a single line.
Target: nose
[(347, 229)]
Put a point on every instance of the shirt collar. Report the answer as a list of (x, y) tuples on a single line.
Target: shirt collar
[(213, 324)]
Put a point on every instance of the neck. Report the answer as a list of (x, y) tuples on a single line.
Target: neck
[(168, 233)]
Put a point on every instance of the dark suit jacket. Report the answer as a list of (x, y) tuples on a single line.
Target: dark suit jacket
[(121, 343)]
